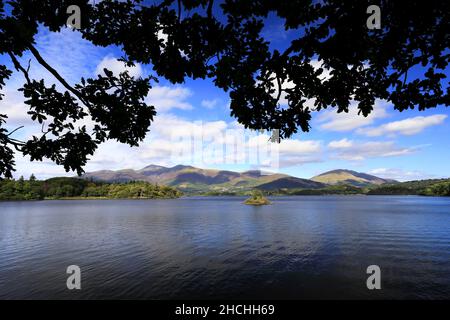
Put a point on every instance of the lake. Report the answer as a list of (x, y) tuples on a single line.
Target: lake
[(215, 247)]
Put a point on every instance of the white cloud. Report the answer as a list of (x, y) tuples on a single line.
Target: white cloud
[(400, 174), (293, 146), (210, 104), (41, 169), (174, 140), (291, 152), (408, 126), (67, 52), (330, 120), (358, 151), (118, 67), (173, 127), (297, 152), (165, 98), (339, 144), (13, 104)]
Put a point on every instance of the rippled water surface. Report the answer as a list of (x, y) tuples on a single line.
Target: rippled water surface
[(296, 248)]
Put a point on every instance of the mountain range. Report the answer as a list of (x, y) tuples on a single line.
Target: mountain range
[(196, 180)]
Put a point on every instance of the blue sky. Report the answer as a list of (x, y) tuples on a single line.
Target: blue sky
[(405, 146)]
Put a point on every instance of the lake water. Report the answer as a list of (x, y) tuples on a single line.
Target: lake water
[(297, 248)]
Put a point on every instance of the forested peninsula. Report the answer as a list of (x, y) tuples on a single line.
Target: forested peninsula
[(74, 188)]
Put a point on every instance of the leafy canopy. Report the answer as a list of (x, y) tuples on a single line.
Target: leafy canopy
[(223, 41)]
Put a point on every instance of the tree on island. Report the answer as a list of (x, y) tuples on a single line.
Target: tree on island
[(257, 198), (225, 42)]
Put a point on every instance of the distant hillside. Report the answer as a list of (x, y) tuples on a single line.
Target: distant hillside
[(202, 181), (291, 183), (349, 177), (115, 176), (195, 180)]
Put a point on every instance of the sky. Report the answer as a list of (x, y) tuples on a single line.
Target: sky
[(193, 125)]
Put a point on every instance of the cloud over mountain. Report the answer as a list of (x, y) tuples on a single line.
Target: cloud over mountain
[(409, 126)]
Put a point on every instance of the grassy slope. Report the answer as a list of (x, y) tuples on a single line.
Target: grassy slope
[(348, 177)]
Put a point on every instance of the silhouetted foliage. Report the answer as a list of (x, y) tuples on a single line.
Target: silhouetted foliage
[(224, 41)]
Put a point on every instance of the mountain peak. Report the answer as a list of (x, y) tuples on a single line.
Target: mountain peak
[(257, 173), (181, 167), (153, 167), (337, 171), (345, 176), (252, 173)]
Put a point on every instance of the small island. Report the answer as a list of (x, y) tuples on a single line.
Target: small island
[(257, 199)]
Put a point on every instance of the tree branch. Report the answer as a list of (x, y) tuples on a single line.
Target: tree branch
[(16, 143), (19, 67), (279, 88), (14, 130), (209, 10), (55, 73), (406, 75)]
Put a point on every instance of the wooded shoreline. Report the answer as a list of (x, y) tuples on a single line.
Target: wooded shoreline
[(74, 188), (82, 189)]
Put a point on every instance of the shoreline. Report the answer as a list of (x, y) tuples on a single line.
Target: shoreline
[(223, 196)]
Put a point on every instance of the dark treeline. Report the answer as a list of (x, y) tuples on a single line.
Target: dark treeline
[(432, 187), (58, 188), (436, 187)]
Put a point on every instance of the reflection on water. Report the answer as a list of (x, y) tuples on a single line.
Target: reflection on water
[(299, 247)]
